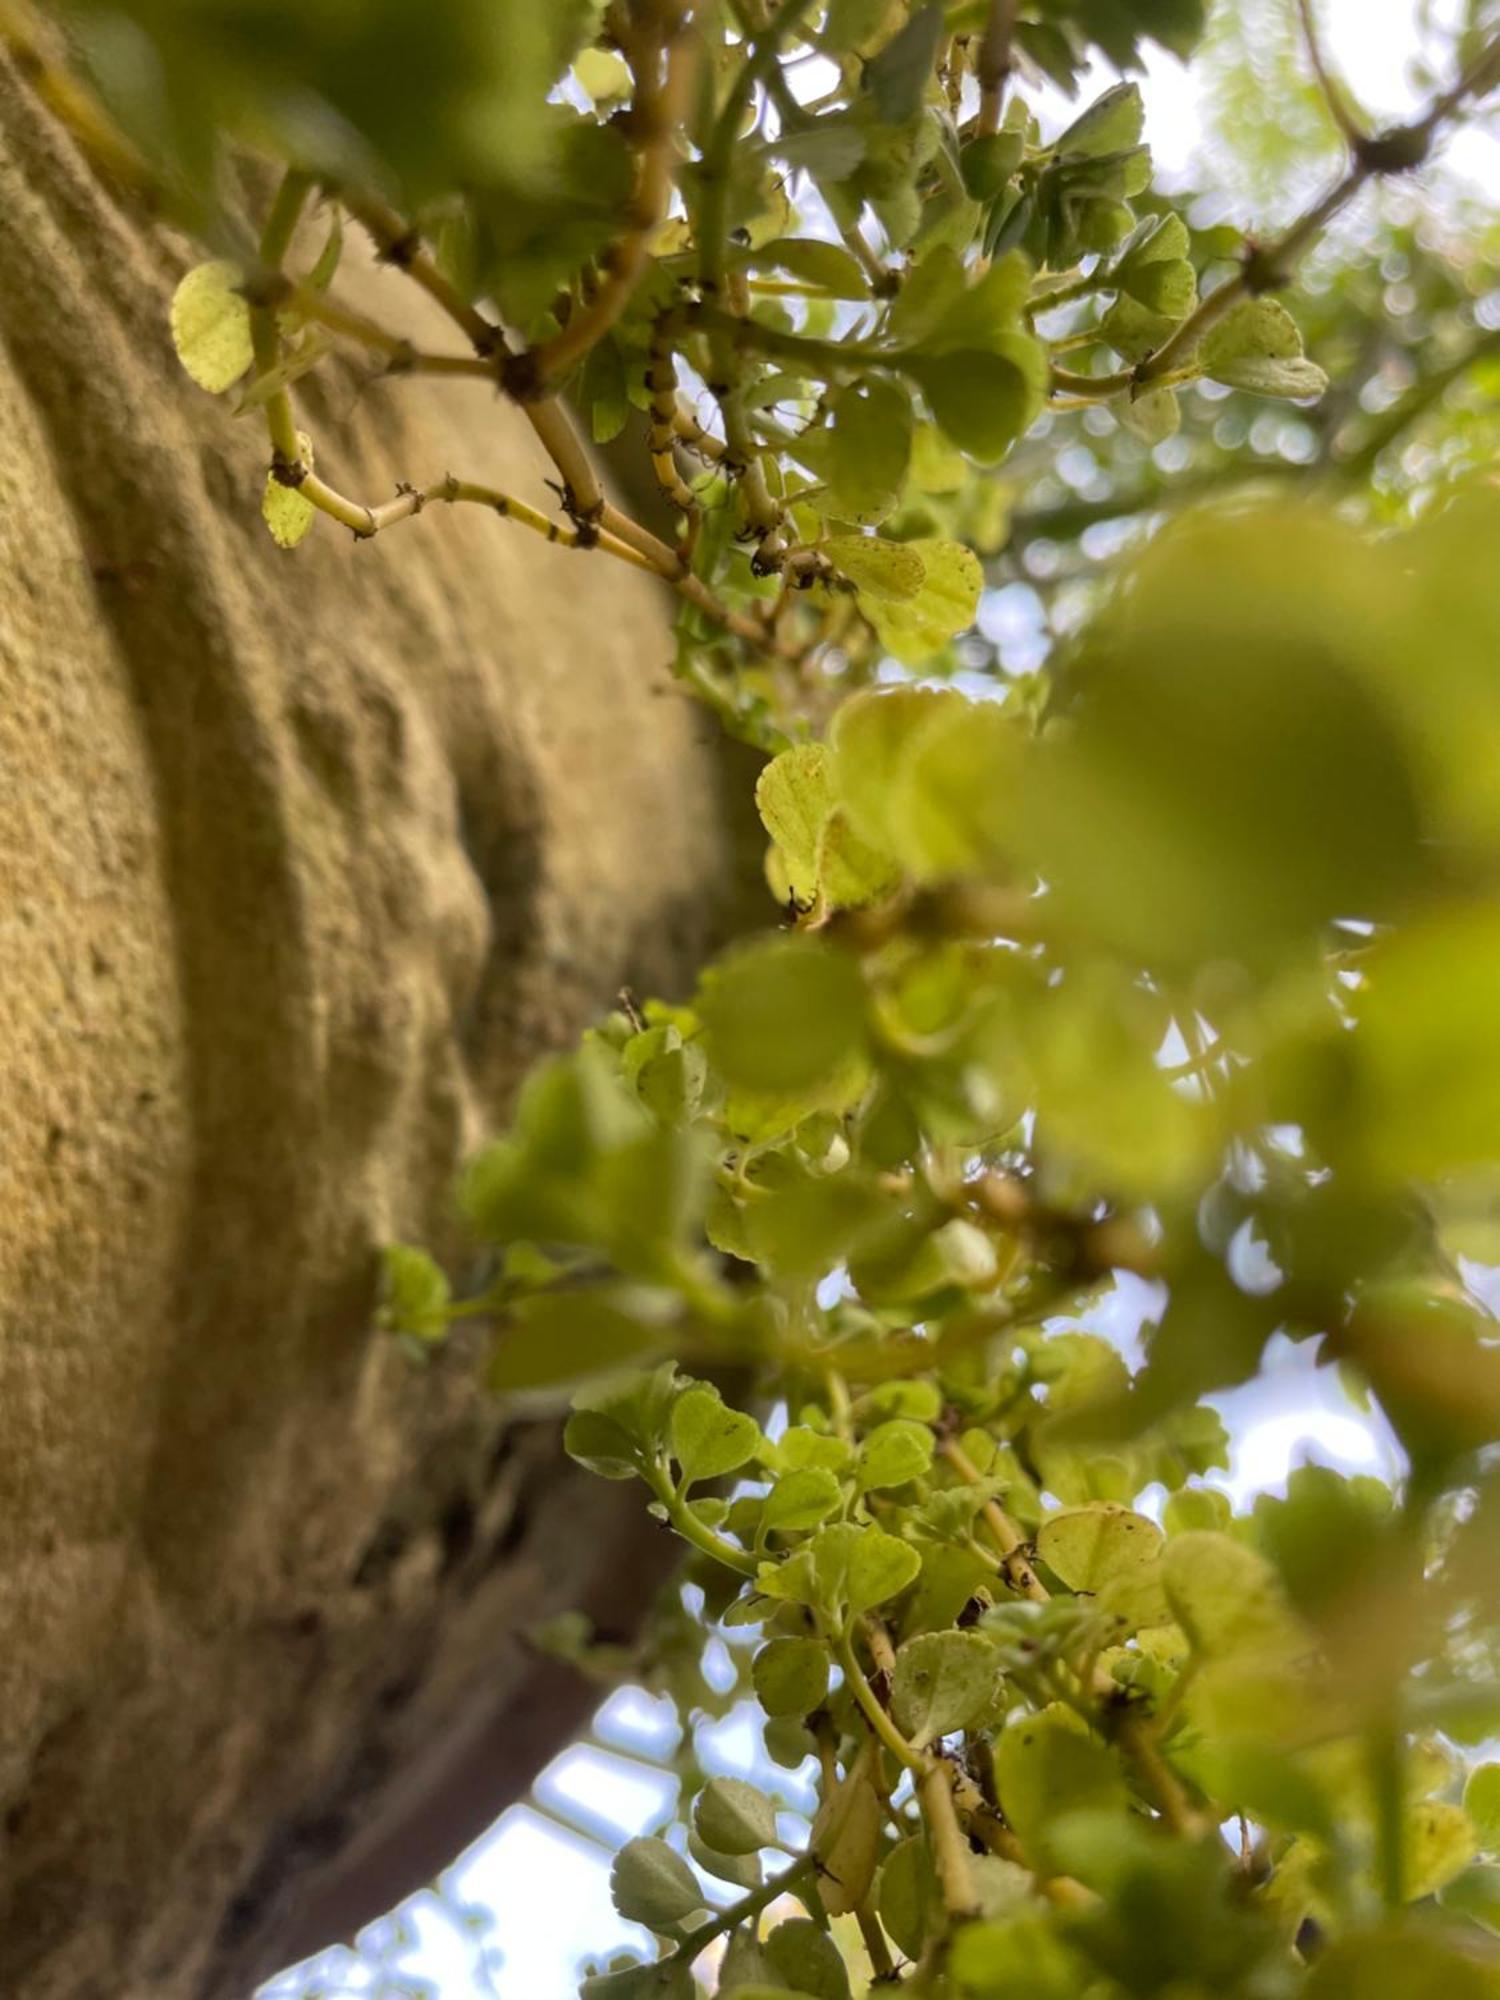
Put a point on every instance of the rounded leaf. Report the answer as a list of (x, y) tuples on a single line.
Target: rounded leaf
[(1091, 1546), (708, 1438), (893, 1453), (943, 1681), (651, 1883), (790, 1676), (1482, 1804), (211, 326), (806, 1960), (1226, 1598), (801, 1500), (784, 1015), (907, 1895), (733, 1817)]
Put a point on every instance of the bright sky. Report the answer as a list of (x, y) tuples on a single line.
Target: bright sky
[(549, 1894)]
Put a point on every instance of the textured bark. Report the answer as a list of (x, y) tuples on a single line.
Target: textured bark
[(302, 860)]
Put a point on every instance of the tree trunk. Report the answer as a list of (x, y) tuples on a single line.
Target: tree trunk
[(303, 859)]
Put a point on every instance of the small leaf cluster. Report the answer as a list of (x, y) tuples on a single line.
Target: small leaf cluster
[(1163, 982)]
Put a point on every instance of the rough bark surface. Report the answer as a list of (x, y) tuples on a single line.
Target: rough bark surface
[(302, 860)]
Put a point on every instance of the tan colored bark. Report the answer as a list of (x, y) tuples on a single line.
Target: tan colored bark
[(303, 859)]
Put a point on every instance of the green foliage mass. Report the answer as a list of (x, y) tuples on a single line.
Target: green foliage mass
[(1179, 958)]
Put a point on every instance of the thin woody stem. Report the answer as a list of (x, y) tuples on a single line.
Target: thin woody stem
[(1270, 268), (1007, 1536), (663, 69), (992, 64), (1137, 1736), (946, 1839), (400, 245), (1333, 96), (746, 1907), (714, 171), (880, 1722), (365, 521), (265, 332)]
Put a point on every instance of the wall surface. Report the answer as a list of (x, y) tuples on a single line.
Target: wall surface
[(303, 859)]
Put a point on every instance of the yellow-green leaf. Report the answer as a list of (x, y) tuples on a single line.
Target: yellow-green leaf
[(287, 511), (211, 326), (888, 571), (945, 603)]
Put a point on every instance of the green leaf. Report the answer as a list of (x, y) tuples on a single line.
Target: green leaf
[(667, 1980), (800, 1500), (617, 1425), (829, 266), (982, 400), (934, 288), (743, 1966), (783, 1016), (1428, 1056), (563, 1337), (415, 1293), (806, 1960), (952, 800), (857, 1568), (821, 853), (1020, 1956), (286, 510), (601, 1444), (211, 326), (892, 1454), (651, 1884), (1482, 1804), (708, 1438), (801, 1446), (1113, 123), (1440, 1842), (1226, 1597), (989, 162), (1258, 347), (1089, 1547), (1475, 1894), (945, 603), (1196, 1507), (1152, 417), (788, 1741), (919, 1400), (1133, 330), (604, 75), (743, 1870), (1156, 271), (1048, 1766), (734, 1818), (790, 1676), (846, 1836), (794, 796), (1230, 778), (943, 1681), (879, 570), (907, 1895), (870, 737), (1392, 1965), (897, 78), (866, 450)]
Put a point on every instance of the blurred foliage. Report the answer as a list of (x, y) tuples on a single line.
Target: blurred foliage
[(1171, 950)]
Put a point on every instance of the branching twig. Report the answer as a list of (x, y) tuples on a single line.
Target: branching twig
[(663, 66), (1338, 110), (992, 64), (400, 245)]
